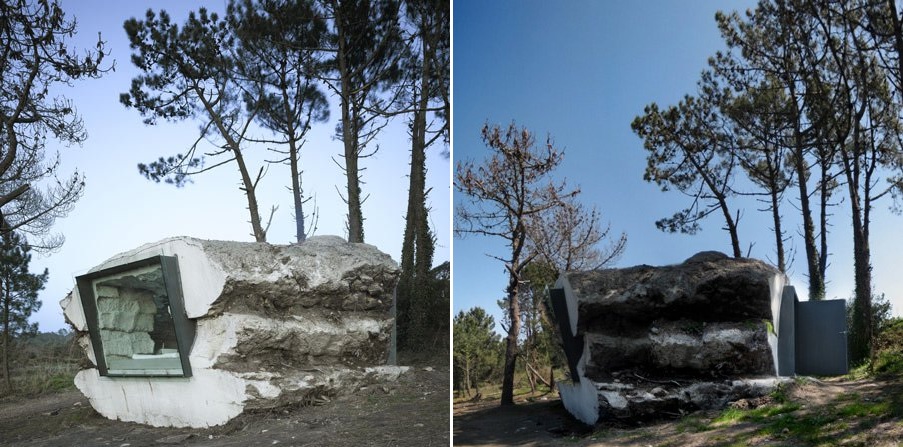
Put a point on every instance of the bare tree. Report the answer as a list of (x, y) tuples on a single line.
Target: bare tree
[(567, 236), (502, 196), (564, 238), (34, 57)]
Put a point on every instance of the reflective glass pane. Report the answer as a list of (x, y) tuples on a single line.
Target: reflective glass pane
[(135, 323)]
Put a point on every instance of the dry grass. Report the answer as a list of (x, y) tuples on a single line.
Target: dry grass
[(39, 378), (43, 364)]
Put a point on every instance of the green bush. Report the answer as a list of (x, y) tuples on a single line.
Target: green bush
[(888, 359)]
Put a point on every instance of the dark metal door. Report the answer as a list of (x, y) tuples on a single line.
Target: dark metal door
[(821, 338)]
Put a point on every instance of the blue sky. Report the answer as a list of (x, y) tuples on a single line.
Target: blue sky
[(580, 71), (121, 210)]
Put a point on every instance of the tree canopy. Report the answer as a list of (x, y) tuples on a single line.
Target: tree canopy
[(34, 58)]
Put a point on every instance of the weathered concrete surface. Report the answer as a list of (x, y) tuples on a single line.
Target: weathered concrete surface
[(275, 325), (701, 322)]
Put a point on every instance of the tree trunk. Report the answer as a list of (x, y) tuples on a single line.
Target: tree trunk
[(414, 245), (863, 287), (778, 234), (417, 247), (816, 281), (467, 384), (300, 231), (6, 310), (290, 132), (862, 315), (823, 219), (250, 192), (349, 136), (731, 226), (511, 350), (248, 186), (537, 376), (355, 216)]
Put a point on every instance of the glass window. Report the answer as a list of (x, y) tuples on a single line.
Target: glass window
[(136, 319)]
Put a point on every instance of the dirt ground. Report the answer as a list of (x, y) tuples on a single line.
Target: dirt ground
[(414, 411), (819, 412)]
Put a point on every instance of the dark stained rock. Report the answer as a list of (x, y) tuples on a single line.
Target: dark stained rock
[(683, 347), (706, 256), (659, 341), (729, 289)]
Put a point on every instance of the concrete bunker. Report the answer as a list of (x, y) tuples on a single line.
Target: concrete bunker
[(655, 341), (190, 333)]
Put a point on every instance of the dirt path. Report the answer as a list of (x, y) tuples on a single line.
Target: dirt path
[(485, 423), (410, 412), (833, 412)]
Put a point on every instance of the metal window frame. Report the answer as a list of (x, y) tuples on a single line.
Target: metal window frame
[(185, 328)]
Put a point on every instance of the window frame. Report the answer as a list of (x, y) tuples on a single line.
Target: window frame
[(185, 328)]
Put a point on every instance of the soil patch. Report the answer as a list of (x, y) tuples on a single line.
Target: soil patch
[(809, 413), (412, 411), (539, 422)]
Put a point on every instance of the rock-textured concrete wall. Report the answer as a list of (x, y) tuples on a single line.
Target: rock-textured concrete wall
[(662, 340), (275, 325)]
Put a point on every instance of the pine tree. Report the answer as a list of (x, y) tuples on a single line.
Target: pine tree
[(37, 58), (18, 293), (427, 70), (367, 55), (477, 349)]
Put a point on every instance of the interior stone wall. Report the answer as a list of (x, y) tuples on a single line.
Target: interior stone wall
[(126, 318)]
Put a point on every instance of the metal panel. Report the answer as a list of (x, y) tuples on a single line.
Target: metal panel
[(393, 341), (821, 338), (184, 327), (786, 331)]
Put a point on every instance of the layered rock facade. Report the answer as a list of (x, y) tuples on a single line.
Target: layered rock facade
[(652, 341), (274, 325)]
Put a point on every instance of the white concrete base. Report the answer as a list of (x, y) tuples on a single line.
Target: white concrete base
[(581, 400), (211, 397)]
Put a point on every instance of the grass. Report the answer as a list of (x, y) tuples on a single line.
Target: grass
[(490, 391), (846, 419), (42, 363), (694, 424), (889, 363), (41, 378)]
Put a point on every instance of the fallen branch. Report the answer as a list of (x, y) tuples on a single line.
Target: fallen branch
[(661, 382), (538, 376)]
